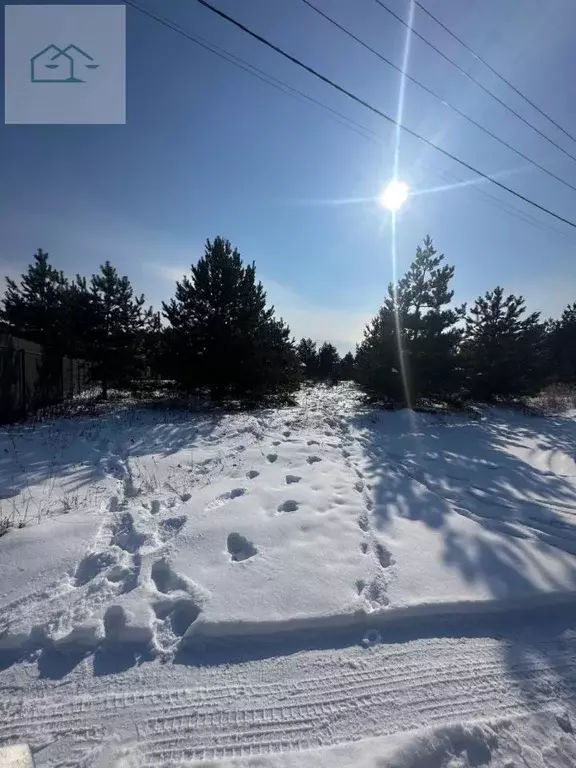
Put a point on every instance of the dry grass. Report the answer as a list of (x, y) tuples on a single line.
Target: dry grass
[(555, 399)]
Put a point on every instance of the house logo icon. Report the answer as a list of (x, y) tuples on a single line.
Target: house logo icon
[(60, 65)]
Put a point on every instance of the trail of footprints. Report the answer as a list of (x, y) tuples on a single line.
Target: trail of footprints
[(373, 592), (115, 567)]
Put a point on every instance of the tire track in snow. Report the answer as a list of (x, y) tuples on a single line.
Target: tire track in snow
[(396, 687)]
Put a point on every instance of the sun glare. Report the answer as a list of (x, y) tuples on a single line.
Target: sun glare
[(394, 196)]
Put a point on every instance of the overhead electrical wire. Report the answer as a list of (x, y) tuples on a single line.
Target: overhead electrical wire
[(339, 117), (474, 80), (251, 69), (494, 70), (377, 111), (438, 97)]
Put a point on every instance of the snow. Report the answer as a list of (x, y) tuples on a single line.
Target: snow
[(545, 739), (321, 540)]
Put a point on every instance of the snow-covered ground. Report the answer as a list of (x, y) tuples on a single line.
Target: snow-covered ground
[(317, 585)]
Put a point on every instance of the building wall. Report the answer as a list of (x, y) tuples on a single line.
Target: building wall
[(31, 379)]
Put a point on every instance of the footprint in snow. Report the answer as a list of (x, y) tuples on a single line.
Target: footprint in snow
[(384, 557), (312, 442), (252, 474), (219, 501), (172, 526), (292, 479), (286, 433), (130, 490), (114, 623), (166, 579), (180, 613), (92, 565), (313, 459), (276, 442), (363, 523), (288, 506), (272, 457), (375, 594), (125, 535), (239, 547)]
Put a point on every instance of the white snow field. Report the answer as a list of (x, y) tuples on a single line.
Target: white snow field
[(326, 584)]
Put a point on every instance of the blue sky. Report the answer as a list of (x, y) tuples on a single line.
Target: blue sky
[(209, 149)]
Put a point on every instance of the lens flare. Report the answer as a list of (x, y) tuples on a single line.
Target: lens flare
[(394, 196)]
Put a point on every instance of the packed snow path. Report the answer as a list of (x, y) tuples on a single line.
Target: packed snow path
[(217, 587)]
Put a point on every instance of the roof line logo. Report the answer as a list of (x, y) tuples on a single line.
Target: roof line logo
[(60, 65)]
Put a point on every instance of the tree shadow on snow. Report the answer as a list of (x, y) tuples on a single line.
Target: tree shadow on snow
[(78, 452), (500, 496), (431, 470)]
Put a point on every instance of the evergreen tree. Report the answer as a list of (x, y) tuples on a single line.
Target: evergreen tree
[(562, 346), (328, 362), (308, 357), (77, 312), (118, 323), (504, 352), (224, 337), (35, 308), (415, 334), (378, 366), (348, 367), (154, 344)]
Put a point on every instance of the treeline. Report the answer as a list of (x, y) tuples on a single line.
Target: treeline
[(219, 335), (421, 345)]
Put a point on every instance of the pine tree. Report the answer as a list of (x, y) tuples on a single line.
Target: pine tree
[(328, 362), (504, 352), (562, 346), (378, 366), (410, 348), (35, 308), (348, 367), (224, 337), (118, 322), (308, 357), (154, 344)]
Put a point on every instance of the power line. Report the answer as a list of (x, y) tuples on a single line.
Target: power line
[(439, 98), (493, 70), (376, 111), (473, 79), (251, 69), (339, 117), (502, 205)]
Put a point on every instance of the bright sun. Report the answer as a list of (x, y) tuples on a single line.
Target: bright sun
[(394, 196)]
